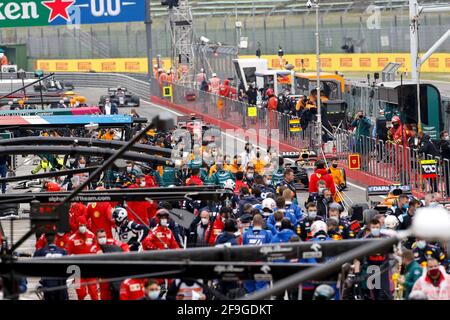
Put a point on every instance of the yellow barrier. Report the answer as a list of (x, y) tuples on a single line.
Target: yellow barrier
[(370, 62), (366, 62), (131, 65)]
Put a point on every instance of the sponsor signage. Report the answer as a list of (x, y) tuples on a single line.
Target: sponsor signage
[(32, 13), (388, 189), (428, 168), (354, 161)]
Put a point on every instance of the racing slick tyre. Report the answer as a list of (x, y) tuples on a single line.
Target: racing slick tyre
[(102, 100), (136, 101), (69, 86)]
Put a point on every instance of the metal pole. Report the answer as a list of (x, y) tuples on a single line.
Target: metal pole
[(106, 164), (322, 271), (414, 53), (148, 31), (319, 111)]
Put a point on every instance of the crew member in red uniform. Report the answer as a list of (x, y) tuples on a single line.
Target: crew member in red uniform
[(82, 242), (104, 244), (52, 186), (77, 209), (194, 179), (225, 89), (272, 106), (132, 289), (100, 216), (61, 241), (321, 173), (139, 208), (160, 237)]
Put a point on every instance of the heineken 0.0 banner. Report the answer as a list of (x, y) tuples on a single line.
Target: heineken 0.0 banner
[(31, 13)]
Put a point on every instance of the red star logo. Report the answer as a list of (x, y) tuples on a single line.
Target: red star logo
[(58, 8)]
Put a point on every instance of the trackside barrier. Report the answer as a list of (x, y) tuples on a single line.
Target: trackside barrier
[(386, 161), (396, 164), (271, 124)]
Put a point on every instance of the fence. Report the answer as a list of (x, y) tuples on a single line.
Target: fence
[(396, 164), (238, 114), (293, 32), (391, 162)]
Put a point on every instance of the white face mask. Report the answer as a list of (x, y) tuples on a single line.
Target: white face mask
[(82, 165), (278, 224), (153, 295), (163, 222), (101, 241), (143, 184), (128, 169), (375, 232), (205, 221), (82, 229), (61, 234), (268, 182), (312, 214)]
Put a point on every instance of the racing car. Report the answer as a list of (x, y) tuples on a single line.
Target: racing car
[(122, 97), (303, 164), (391, 194), (53, 85), (192, 122)]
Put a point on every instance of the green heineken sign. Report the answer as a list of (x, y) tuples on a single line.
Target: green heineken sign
[(31, 13)]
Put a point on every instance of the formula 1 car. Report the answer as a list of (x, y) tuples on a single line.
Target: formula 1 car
[(302, 163), (210, 133), (122, 97), (53, 85), (390, 192)]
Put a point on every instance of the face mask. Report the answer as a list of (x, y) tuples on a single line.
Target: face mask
[(101, 241), (143, 184), (421, 244), (395, 125), (153, 295), (205, 221), (447, 138), (249, 175), (257, 228), (312, 214), (375, 232), (163, 222), (405, 206), (361, 116), (335, 165), (268, 182), (82, 229), (278, 224), (82, 165), (128, 169), (219, 167), (321, 190), (434, 273)]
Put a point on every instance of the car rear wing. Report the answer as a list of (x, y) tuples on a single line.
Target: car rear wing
[(184, 120), (372, 191)]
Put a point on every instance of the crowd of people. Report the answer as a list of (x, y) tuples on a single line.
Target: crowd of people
[(264, 206)]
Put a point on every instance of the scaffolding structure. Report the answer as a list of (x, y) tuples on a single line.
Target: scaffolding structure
[(182, 34)]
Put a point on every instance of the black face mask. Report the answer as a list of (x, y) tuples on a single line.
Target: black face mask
[(395, 125), (361, 116), (335, 165)]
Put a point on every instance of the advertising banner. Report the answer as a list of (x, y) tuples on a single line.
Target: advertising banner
[(32, 13)]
